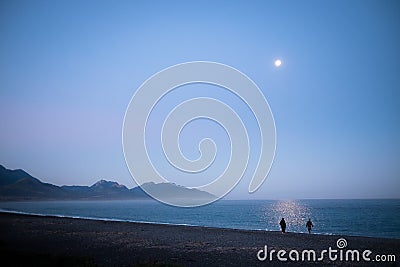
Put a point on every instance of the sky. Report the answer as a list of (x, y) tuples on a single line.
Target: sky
[(68, 70)]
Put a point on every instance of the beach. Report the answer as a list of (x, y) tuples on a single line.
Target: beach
[(48, 241)]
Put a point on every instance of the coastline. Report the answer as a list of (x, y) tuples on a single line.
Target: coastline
[(4, 211), (89, 242)]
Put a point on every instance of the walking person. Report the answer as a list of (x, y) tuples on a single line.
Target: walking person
[(309, 225), (283, 225)]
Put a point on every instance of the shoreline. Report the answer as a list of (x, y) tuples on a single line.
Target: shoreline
[(174, 224), (88, 242)]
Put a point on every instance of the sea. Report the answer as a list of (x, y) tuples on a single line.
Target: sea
[(373, 218)]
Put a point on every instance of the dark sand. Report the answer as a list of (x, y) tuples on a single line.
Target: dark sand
[(27, 240)]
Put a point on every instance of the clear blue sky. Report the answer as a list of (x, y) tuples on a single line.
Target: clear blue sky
[(69, 68)]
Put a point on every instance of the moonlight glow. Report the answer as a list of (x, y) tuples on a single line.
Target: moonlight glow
[(278, 63)]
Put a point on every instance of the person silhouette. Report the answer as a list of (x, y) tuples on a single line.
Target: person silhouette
[(283, 225), (309, 225)]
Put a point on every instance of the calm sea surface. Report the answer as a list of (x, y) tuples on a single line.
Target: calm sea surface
[(375, 218)]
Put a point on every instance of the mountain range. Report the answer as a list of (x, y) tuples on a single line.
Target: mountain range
[(17, 185)]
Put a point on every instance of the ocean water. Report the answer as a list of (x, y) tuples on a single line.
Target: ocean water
[(374, 218)]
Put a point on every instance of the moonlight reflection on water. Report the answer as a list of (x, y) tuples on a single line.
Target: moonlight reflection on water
[(295, 213)]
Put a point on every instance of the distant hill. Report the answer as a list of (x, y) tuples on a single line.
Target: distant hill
[(17, 185), (168, 190)]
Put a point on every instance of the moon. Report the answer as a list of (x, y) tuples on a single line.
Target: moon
[(278, 63)]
